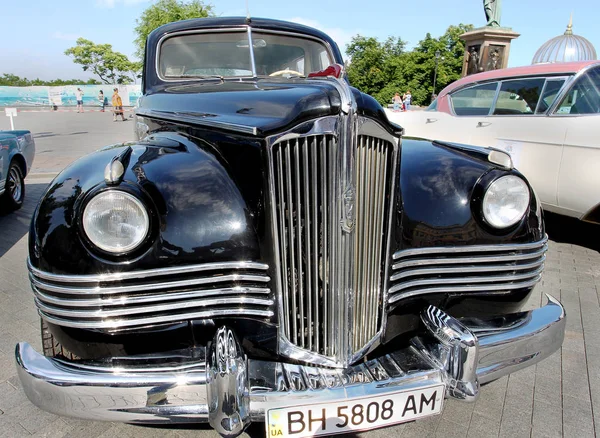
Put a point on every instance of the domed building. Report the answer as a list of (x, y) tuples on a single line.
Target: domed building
[(565, 48)]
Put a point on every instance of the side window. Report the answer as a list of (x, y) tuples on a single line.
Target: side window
[(474, 101), (551, 90), (433, 106), (584, 96), (519, 97)]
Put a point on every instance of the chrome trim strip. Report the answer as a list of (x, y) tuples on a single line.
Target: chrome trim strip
[(126, 311), (462, 289), (129, 300), (144, 287), (471, 259), (470, 248), (466, 269), (124, 323), (467, 279), (119, 276), (181, 118), (251, 50)]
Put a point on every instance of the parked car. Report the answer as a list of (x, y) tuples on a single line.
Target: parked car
[(272, 250), (546, 116), (17, 150)]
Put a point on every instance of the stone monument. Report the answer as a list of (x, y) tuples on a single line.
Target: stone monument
[(487, 48)]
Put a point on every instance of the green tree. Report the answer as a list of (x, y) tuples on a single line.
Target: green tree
[(100, 59), (167, 11), (10, 80), (382, 69), (368, 70)]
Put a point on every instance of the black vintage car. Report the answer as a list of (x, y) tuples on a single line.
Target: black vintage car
[(272, 250)]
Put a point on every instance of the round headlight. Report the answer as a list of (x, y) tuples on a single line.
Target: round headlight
[(506, 201), (115, 221)]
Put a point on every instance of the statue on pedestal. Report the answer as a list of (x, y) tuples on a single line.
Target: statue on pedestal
[(473, 61), (493, 9)]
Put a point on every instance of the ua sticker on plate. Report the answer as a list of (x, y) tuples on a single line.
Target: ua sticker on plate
[(355, 414)]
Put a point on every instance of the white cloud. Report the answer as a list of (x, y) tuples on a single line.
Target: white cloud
[(341, 36), (112, 3), (65, 36)]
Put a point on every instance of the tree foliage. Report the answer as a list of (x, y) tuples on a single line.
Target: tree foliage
[(167, 11), (10, 80), (100, 59), (382, 69)]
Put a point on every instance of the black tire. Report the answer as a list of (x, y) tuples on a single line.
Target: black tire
[(14, 192), (51, 346)]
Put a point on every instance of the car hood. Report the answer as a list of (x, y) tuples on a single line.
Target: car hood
[(262, 107)]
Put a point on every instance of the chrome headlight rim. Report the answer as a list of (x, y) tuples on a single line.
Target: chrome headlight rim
[(492, 222), (140, 201)]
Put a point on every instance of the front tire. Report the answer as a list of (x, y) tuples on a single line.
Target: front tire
[(14, 193), (50, 346)]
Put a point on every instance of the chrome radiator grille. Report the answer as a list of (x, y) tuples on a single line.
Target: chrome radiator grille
[(304, 171), (483, 268), (372, 191), (141, 298), (308, 200)]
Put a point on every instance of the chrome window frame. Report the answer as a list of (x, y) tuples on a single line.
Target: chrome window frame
[(520, 78), (475, 84), (241, 29), (550, 79), (567, 89), (570, 78)]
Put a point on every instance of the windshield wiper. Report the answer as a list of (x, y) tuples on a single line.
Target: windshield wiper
[(221, 78)]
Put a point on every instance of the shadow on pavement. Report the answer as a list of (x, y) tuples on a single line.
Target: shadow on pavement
[(15, 225), (565, 229)]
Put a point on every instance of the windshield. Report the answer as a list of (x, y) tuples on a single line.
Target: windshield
[(227, 54)]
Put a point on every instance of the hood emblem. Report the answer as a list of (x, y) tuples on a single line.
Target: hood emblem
[(348, 209)]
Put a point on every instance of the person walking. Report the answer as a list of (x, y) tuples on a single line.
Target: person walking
[(117, 103), (397, 100), (79, 98), (102, 100), (407, 98)]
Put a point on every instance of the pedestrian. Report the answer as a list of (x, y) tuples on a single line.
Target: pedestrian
[(102, 100), (407, 98), (117, 106), (79, 98), (397, 100)]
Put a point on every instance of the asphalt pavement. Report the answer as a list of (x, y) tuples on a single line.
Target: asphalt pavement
[(558, 397)]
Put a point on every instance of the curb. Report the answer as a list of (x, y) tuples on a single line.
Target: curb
[(42, 175)]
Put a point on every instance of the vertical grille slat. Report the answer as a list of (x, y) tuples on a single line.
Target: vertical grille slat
[(324, 244), (281, 211), (309, 201), (315, 247), (299, 229)]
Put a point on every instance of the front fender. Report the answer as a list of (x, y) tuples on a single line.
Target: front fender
[(441, 186), (198, 213)]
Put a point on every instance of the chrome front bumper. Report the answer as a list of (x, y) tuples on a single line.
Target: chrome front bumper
[(229, 391)]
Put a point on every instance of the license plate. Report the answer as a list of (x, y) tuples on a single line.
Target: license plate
[(354, 414)]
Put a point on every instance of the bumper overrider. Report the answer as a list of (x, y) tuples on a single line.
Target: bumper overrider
[(229, 391)]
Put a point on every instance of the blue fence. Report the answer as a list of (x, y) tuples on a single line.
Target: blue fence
[(65, 95)]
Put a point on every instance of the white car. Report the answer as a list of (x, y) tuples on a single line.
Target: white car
[(547, 116)]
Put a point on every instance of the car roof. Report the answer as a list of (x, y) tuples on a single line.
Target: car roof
[(528, 70)]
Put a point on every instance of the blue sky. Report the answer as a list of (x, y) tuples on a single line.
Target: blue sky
[(35, 33)]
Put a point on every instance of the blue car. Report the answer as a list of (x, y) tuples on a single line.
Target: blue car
[(17, 149)]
